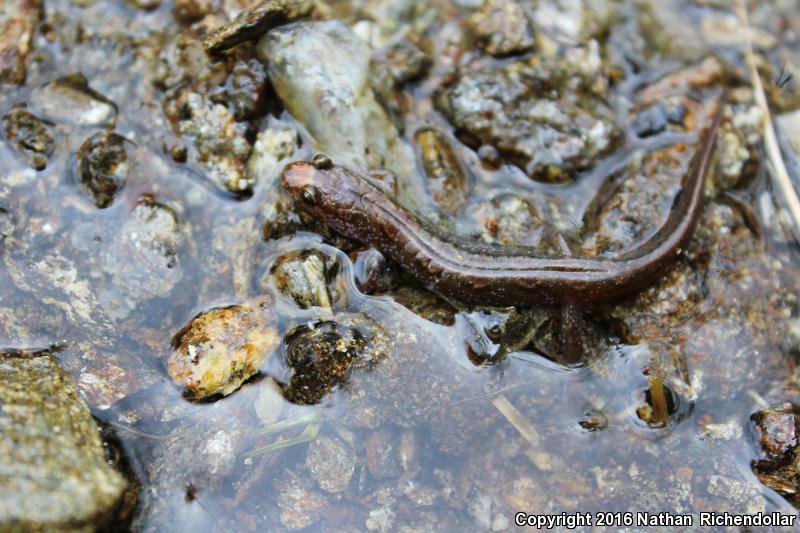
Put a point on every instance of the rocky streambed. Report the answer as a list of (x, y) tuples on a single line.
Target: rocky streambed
[(184, 347)]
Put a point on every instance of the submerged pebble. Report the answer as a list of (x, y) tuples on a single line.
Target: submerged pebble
[(246, 89), (143, 259), (657, 117), (331, 462), (103, 166), (401, 63), (31, 135), (509, 220), (300, 503), (320, 356), (383, 454), (215, 141), (275, 144), (370, 271), (777, 430), (502, 28), (392, 67), (217, 351), (650, 121), (448, 182), (303, 278), (188, 11)]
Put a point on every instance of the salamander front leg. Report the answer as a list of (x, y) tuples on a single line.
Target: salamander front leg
[(572, 323)]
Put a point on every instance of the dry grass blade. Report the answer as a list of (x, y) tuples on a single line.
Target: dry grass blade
[(780, 176), (516, 419), (277, 427), (758, 399), (309, 434)]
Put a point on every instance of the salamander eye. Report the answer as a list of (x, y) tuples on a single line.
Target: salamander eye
[(322, 162), (309, 195)]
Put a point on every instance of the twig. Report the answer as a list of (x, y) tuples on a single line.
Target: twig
[(780, 177), (254, 22)]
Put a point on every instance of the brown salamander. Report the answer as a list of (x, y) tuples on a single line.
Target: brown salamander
[(358, 208)]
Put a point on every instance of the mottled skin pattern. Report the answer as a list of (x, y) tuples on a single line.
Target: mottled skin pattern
[(355, 206)]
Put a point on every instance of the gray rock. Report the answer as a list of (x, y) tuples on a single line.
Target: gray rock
[(71, 100), (53, 471), (502, 28), (535, 114), (332, 463), (144, 258), (274, 145), (789, 136), (320, 70), (301, 505), (217, 142), (303, 278)]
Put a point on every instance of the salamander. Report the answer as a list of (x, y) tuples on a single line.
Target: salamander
[(359, 208)]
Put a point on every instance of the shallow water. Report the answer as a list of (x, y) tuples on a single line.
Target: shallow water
[(426, 434)]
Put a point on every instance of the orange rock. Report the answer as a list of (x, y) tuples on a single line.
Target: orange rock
[(222, 348)]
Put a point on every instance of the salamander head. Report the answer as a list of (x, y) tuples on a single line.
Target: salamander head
[(331, 194)]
